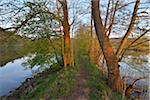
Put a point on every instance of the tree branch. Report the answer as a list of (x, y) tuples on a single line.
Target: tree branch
[(123, 52), (130, 28)]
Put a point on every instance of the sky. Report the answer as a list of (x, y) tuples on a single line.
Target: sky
[(83, 6)]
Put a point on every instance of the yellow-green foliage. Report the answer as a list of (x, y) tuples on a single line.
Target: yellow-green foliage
[(13, 46)]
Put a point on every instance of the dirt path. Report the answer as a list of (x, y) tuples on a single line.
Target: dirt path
[(80, 91)]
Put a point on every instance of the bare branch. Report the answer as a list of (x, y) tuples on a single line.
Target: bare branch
[(123, 52), (130, 28), (113, 18), (107, 14)]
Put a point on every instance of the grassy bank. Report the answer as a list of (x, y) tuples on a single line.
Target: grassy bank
[(57, 85), (99, 90), (60, 84)]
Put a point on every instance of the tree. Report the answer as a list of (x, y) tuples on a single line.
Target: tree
[(40, 19), (66, 29), (130, 28), (115, 81), (135, 27)]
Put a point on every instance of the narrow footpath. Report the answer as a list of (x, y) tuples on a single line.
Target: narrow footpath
[(80, 91)]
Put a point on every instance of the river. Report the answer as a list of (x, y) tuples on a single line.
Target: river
[(14, 73)]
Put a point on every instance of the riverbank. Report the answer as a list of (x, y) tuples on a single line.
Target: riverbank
[(81, 81), (61, 83), (29, 84), (97, 83)]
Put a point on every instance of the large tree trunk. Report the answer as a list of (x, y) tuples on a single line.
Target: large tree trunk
[(66, 29), (130, 28), (114, 79)]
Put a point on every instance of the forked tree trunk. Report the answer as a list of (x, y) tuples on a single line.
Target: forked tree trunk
[(114, 79), (66, 29)]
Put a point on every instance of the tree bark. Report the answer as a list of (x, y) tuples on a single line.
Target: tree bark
[(114, 79), (66, 29)]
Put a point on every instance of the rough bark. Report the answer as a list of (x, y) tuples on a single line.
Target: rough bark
[(66, 29), (72, 48), (114, 79), (130, 28)]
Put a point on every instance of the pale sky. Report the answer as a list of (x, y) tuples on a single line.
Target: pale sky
[(83, 6)]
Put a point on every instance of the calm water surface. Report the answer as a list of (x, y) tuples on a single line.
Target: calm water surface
[(13, 74)]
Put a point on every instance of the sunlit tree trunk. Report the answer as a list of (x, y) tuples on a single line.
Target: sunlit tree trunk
[(66, 29), (108, 30), (72, 54), (114, 79), (72, 48)]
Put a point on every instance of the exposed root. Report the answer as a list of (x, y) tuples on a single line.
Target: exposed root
[(130, 88)]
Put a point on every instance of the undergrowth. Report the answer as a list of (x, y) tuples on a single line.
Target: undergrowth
[(97, 82), (58, 84)]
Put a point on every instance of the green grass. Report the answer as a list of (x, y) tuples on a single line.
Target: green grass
[(58, 84), (61, 83), (99, 90)]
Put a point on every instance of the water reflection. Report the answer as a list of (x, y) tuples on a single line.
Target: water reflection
[(13, 74), (138, 67), (44, 61), (42, 55), (134, 68)]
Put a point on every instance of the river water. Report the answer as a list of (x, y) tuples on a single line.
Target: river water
[(133, 70), (13, 74)]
